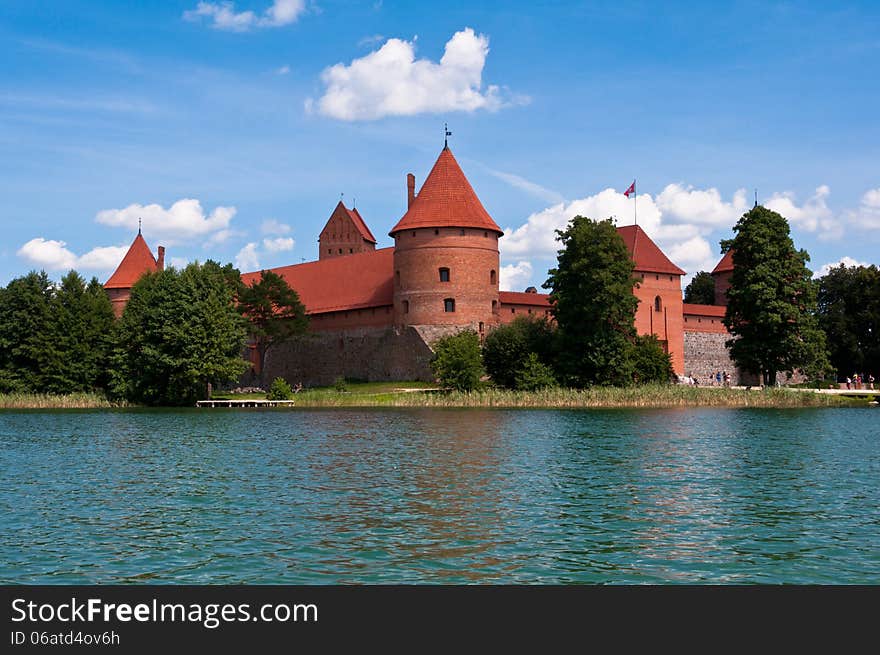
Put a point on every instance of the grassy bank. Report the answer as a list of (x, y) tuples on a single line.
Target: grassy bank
[(50, 401), (404, 395)]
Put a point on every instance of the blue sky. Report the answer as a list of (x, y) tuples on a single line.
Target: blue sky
[(232, 128)]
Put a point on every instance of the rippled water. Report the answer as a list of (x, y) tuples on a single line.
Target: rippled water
[(449, 496)]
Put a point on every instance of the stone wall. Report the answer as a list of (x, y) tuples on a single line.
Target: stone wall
[(705, 354), (371, 354)]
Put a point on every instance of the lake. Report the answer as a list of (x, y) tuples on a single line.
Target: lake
[(440, 496)]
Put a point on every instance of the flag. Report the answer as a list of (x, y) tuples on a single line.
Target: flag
[(631, 189)]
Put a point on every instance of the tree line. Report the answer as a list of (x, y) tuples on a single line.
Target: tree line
[(180, 331)]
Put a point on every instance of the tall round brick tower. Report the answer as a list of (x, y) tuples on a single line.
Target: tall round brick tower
[(446, 253)]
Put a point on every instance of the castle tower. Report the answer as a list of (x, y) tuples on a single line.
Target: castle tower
[(345, 233), (446, 261), (137, 261), (722, 272)]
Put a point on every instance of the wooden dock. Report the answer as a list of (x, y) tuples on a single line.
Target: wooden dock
[(244, 403)]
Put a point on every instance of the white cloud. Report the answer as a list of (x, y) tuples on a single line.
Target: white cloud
[(849, 262), (279, 244), (185, 219), (54, 255), (273, 226), (532, 188), (371, 40), (284, 70), (247, 259), (515, 277), (223, 15), (178, 262), (813, 216), (701, 206), (867, 215), (390, 81)]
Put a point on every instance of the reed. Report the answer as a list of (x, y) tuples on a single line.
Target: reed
[(51, 401)]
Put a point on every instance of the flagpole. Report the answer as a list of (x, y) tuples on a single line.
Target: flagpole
[(635, 204)]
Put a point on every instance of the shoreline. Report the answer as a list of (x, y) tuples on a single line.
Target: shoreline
[(377, 395)]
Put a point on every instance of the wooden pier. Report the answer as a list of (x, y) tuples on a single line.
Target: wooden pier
[(244, 403)]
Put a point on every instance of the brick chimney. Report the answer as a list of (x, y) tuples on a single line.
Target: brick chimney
[(410, 189), (161, 261)]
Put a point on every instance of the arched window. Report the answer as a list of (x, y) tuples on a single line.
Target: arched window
[(658, 304), (444, 275), (406, 306), (494, 306), (448, 305), (462, 233), (492, 277), (340, 251), (436, 232)]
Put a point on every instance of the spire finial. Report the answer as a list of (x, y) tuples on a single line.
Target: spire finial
[(756, 197), (446, 136), (139, 225)]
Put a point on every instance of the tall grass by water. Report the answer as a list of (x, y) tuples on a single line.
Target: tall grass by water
[(53, 401), (642, 396)]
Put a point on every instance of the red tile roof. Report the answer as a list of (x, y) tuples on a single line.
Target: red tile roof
[(446, 199), (704, 310), (645, 253), (520, 298), (360, 224), (341, 283), (726, 263), (137, 261)]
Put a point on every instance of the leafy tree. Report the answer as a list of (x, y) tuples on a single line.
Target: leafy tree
[(650, 362), (279, 390), (508, 346), (849, 313), (76, 354), (25, 322), (592, 291), (457, 362), (701, 290), (533, 374), (274, 311), (180, 331), (772, 301)]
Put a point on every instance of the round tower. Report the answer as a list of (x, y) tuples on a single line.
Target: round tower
[(446, 263)]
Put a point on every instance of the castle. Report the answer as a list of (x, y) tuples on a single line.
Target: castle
[(374, 312)]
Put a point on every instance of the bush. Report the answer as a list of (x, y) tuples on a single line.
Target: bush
[(509, 346), (280, 390), (340, 384), (650, 362), (534, 375), (457, 361)]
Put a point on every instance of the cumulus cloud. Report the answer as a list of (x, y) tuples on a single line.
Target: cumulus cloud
[(279, 244), (274, 226), (54, 255), (185, 219), (848, 262), (247, 258), (515, 277), (814, 215), (701, 206), (223, 16), (390, 81), (867, 215)]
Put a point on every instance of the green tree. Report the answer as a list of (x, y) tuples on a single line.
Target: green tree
[(76, 355), (25, 329), (533, 374), (180, 331), (771, 309), (650, 362), (508, 346), (457, 361), (701, 290), (274, 310), (592, 293), (849, 313)]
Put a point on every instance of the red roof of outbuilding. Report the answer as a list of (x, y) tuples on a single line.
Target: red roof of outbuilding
[(646, 255), (520, 298), (726, 263), (137, 261), (446, 199), (340, 283), (703, 310)]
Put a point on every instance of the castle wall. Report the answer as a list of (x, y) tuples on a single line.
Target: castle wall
[(352, 318), (665, 322), (705, 354), (367, 353)]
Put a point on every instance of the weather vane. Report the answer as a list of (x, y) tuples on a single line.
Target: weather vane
[(139, 224), (448, 134)]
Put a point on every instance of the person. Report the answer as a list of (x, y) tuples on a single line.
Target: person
[(726, 377), (848, 382), (871, 381), (718, 378)]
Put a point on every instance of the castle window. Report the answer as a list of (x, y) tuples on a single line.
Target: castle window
[(329, 251), (448, 305), (530, 311), (462, 233), (670, 278), (406, 306), (494, 306), (350, 250), (658, 304), (485, 234), (436, 232), (414, 233), (340, 251), (444, 275), (481, 326), (513, 310), (656, 277), (492, 277), (398, 278)]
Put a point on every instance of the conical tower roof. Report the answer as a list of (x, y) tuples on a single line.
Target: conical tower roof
[(137, 261), (646, 255), (446, 199)]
